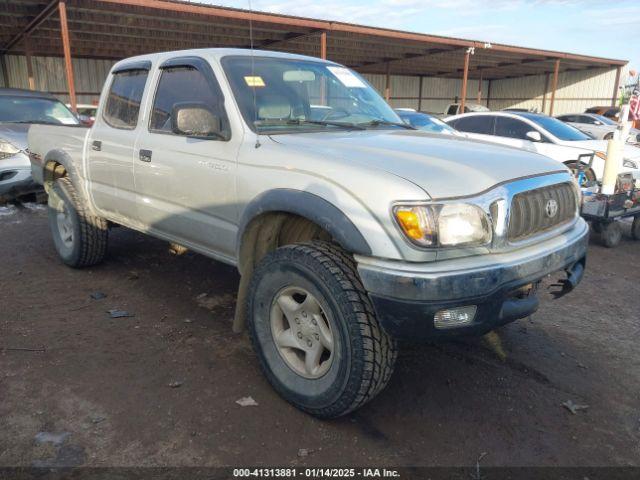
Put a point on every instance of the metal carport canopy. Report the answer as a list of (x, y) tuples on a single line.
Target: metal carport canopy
[(115, 29)]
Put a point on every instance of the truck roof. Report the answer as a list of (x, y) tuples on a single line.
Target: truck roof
[(21, 92), (218, 53)]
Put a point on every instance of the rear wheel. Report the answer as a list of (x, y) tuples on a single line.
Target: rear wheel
[(611, 234), (79, 237), (315, 331), (635, 228)]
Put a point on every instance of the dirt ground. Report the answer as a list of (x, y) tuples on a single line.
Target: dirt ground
[(160, 388)]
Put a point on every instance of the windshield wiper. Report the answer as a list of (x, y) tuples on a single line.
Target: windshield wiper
[(379, 121), (299, 121)]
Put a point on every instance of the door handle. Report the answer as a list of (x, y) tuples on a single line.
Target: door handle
[(145, 155), (96, 145)]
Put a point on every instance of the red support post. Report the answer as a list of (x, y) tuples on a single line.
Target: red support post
[(465, 75), (614, 97), (554, 86), (27, 54), (64, 28)]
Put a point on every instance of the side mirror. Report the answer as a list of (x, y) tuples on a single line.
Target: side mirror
[(597, 122), (195, 120), (534, 136)]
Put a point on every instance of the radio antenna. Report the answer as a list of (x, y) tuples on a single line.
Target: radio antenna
[(253, 79)]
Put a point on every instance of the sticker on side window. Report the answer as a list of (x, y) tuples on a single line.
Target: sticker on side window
[(346, 77), (254, 81)]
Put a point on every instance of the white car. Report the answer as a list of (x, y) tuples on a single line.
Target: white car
[(546, 135), (598, 126)]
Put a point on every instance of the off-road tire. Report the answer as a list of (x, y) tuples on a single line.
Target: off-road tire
[(364, 355), (611, 234), (635, 228), (90, 233)]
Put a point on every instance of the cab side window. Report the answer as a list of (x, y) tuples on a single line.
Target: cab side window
[(482, 124), (184, 84), (123, 102), (512, 128), (586, 119)]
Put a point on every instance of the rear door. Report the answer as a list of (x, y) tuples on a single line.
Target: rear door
[(480, 127), (110, 151), (513, 132), (187, 186)]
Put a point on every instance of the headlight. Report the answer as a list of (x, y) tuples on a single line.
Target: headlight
[(630, 164), (445, 225), (7, 149)]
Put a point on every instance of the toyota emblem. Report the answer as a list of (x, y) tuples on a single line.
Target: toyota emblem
[(551, 208)]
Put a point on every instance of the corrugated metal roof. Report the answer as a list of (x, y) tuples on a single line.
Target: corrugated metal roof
[(115, 29)]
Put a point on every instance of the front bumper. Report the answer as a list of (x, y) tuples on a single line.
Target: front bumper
[(406, 296), (15, 177)]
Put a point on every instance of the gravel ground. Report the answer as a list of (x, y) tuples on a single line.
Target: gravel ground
[(160, 388)]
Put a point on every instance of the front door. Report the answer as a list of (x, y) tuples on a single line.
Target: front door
[(187, 186)]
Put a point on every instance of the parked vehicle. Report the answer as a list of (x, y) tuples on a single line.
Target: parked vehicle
[(349, 231), (18, 110), (454, 108), (549, 136), (597, 126), (426, 122), (608, 111), (86, 113)]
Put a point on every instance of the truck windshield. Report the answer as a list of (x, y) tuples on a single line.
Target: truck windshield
[(285, 95), (35, 110)]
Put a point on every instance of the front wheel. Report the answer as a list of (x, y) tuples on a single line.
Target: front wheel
[(315, 331), (79, 237)]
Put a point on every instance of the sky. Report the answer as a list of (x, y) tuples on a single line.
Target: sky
[(592, 27)]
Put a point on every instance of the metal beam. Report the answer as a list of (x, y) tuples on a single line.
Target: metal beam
[(387, 88), (544, 93), (64, 29), (408, 56), (287, 38), (32, 25), (616, 86), (465, 74), (5, 72), (420, 84), (554, 86), (27, 54), (479, 98), (323, 45)]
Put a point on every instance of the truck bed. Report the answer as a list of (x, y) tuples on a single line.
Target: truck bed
[(43, 139)]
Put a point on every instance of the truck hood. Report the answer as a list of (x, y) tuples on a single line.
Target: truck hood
[(443, 166), (15, 133)]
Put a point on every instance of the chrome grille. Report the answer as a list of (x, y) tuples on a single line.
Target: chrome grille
[(529, 215)]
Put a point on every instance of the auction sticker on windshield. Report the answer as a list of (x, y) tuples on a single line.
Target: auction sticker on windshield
[(347, 77), (254, 81)]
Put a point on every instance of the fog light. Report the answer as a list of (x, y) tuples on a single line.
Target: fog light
[(454, 317)]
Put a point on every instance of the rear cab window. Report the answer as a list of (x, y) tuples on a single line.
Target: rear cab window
[(122, 106)]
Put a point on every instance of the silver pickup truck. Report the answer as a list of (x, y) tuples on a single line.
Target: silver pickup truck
[(350, 229)]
